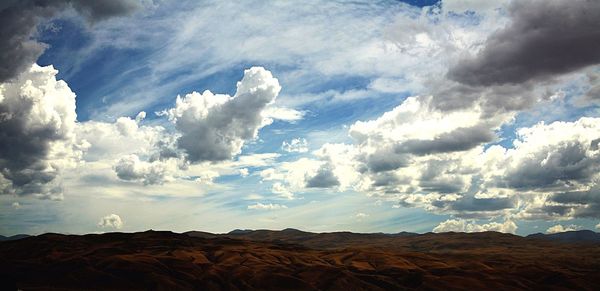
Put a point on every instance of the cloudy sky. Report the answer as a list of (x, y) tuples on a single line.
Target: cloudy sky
[(367, 116)]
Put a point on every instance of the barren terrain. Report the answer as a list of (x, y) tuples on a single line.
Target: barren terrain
[(292, 259)]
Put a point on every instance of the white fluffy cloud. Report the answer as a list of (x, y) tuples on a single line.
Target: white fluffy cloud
[(125, 136), (270, 206), (560, 228), (111, 221), (130, 168), (461, 225), (37, 112), (209, 128), (552, 169), (282, 191), (215, 127), (135, 152), (37, 129), (281, 113), (560, 155), (296, 145), (413, 148), (420, 156)]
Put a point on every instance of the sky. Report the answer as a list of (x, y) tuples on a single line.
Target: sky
[(363, 116)]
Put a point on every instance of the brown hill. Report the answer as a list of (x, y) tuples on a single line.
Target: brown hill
[(292, 259)]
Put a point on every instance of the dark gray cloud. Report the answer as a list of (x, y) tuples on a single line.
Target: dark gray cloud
[(439, 177), (385, 159), (325, 178), (19, 21), (544, 38), (28, 135), (577, 197), (385, 179), (593, 92), (450, 95), (22, 149), (100, 10), (460, 139), (575, 203), (443, 186)]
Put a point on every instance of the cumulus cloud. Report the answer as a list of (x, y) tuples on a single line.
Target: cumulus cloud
[(462, 225), (37, 112), (416, 121), (543, 39), (419, 156), (551, 172), (459, 139), (130, 168), (384, 157), (208, 128), (296, 145), (557, 166), (418, 147), (560, 228), (37, 129), (125, 136), (20, 19), (323, 178), (554, 154), (270, 206), (215, 127), (135, 152), (111, 221), (282, 191)]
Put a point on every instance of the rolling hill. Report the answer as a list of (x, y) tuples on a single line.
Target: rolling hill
[(297, 260)]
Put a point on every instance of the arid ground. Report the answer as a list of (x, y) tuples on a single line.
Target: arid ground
[(292, 259)]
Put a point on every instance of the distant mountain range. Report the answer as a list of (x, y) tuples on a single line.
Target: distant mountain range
[(334, 239), (298, 236), (14, 237), (579, 236)]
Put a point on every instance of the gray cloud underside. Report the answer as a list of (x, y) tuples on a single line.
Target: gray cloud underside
[(544, 39), (19, 21), (460, 139), (325, 178), (581, 203), (564, 164)]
